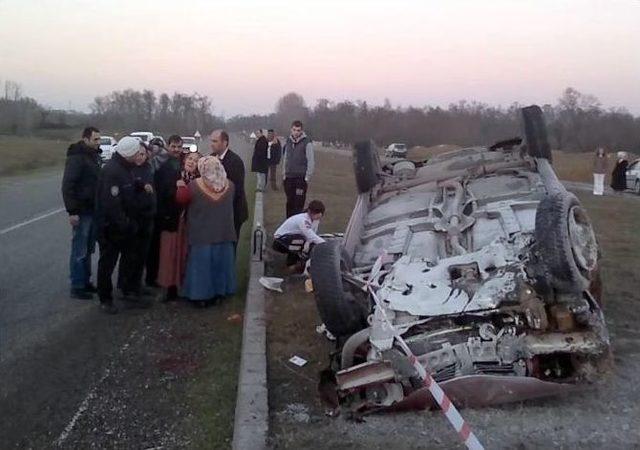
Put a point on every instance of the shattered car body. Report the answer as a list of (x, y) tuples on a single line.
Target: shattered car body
[(489, 273)]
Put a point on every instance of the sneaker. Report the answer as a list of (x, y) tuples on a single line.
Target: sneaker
[(108, 308), (89, 287), (80, 294)]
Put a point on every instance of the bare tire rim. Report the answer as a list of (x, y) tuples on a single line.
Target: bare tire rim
[(583, 239)]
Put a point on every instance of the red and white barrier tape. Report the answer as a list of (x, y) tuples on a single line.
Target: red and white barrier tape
[(448, 408)]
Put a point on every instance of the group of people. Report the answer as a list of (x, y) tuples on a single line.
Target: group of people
[(173, 214), (171, 218), (618, 175)]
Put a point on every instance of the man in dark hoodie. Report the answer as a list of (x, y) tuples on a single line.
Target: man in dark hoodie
[(79, 184)]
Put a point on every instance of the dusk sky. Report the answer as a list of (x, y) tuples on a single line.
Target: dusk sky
[(245, 54)]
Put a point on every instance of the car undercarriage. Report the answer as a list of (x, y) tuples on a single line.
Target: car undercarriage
[(483, 263)]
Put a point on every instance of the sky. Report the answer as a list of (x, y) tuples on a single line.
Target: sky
[(245, 54)]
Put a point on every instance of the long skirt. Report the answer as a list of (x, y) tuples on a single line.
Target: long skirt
[(598, 184), (173, 256), (211, 272)]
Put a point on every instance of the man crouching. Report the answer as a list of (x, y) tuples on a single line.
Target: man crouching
[(298, 234)]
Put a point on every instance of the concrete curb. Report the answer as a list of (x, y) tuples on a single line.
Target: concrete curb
[(251, 423)]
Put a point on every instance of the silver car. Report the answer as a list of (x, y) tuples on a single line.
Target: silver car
[(633, 176), (479, 262)]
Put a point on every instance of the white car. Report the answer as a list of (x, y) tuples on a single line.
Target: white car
[(633, 176), (107, 147), (189, 144), (144, 136), (396, 150)]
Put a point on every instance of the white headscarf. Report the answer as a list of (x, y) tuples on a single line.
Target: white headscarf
[(212, 173)]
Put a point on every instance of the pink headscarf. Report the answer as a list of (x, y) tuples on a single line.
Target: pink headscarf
[(212, 173)]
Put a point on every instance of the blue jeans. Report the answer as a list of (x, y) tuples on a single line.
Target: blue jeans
[(83, 244)]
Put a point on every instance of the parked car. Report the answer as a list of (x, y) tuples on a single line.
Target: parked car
[(147, 136), (189, 144), (484, 265), (633, 176), (107, 147), (396, 151)]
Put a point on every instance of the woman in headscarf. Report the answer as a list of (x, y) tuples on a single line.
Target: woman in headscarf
[(173, 236), (619, 174), (210, 272), (599, 171)]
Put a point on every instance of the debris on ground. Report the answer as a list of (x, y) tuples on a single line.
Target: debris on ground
[(322, 329), (235, 318), (298, 361), (271, 283)]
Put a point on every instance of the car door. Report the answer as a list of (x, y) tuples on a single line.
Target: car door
[(633, 173)]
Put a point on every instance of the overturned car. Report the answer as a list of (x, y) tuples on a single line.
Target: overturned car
[(484, 265)]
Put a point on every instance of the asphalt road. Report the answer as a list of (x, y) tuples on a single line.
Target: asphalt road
[(53, 349)]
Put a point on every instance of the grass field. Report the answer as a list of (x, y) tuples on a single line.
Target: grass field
[(298, 418), (21, 154)]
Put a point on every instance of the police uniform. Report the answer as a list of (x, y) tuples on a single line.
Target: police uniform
[(124, 211)]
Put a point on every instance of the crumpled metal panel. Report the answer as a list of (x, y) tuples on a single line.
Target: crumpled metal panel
[(476, 391), (414, 287)]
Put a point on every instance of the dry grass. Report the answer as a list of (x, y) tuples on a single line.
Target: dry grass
[(21, 154), (420, 153)]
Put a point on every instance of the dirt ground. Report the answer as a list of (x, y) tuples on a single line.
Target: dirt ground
[(603, 416)]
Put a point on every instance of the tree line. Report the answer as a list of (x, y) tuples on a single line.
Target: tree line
[(576, 122)]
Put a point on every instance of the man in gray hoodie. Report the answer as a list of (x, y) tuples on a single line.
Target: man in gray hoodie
[(297, 167)]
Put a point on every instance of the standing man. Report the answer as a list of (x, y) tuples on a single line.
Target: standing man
[(259, 161), (274, 153), (79, 184), (298, 167), (121, 200), (234, 167)]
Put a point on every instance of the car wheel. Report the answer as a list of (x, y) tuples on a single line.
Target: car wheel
[(340, 311), (566, 242), (535, 132), (366, 166)]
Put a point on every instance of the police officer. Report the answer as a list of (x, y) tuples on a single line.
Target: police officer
[(137, 254), (124, 199)]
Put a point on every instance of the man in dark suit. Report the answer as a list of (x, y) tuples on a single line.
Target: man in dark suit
[(234, 167)]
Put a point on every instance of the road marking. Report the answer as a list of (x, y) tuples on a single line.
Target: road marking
[(92, 394), (34, 219), (81, 409)]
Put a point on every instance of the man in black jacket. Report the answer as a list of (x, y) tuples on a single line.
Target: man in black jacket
[(79, 184), (125, 203), (274, 153), (234, 167), (259, 161)]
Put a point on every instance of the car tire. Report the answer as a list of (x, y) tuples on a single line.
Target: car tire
[(566, 243), (366, 166), (535, 132), (340, 311)]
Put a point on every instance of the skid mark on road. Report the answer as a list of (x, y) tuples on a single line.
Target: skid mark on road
[(29, 221), (92, 394)]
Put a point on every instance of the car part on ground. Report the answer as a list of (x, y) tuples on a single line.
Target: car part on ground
[(489, 273)]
